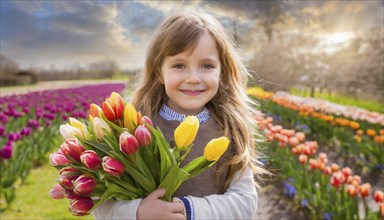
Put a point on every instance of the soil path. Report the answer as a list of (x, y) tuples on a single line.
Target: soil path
[(44, 85)]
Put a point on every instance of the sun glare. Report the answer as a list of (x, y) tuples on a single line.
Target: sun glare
[(335, 41)]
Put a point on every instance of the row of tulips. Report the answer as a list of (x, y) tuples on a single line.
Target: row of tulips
[(371, 123), (118, 154), (313, 183), (29, 128), (356, 148)]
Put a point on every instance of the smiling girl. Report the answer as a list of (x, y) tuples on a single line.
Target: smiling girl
[(193, 68)]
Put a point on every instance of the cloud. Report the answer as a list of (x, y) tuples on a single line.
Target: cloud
[(67, 30)]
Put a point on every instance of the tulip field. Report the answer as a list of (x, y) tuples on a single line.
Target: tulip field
[(327, 158)]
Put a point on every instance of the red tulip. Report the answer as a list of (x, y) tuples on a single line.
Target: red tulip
[(143, 135), (346, 171), (337, 179), (379, 196), (80, 206), (90, 159), (72, 148), (57, 192), (84, 185), (112, 166), (128, 143), (365, 189), (58, 159), (327, 170)]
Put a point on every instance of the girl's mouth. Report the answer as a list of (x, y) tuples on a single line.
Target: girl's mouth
[(192, 92)]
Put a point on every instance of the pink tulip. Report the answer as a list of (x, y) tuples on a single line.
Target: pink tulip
[(128, 143), (84, 185), (112, 166), (90, 159), (69, 194), (57, 192), (67, 176), (58, 159), (147, 120), (72, 148), (143, 135), (80, 206)]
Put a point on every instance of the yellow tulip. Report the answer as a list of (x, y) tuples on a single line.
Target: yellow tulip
[(215, 148), (101, 128), (130, 117), (186, 132), (81, 126)]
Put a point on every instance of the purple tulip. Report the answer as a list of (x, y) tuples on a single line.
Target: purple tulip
[(6, 152), (25, 131), (84, 185), (143, 135), (80, 206), (128, 143), (14, 136), (112, 166), (2, 130), (90, 159), (57, 192), (33, 123)]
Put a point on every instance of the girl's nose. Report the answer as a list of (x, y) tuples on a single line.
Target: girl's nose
[(193, 76)]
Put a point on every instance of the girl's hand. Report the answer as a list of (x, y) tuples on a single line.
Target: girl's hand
[(152, 207)]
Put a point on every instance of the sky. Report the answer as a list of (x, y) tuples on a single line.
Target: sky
[(63, 34)]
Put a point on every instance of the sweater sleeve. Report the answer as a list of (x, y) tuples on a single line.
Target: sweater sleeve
[(238, 202), (117, 209)]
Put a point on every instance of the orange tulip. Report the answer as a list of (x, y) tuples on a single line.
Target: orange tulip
[(113, 107), (303, 159), (360, 132), (335, 167), (94, 110), (371, 132), (354, 125), (351, 190), (357, 138)]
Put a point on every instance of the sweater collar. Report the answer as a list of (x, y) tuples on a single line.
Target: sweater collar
[(170, 115)]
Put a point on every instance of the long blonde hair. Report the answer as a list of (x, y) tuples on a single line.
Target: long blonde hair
[(231, 107)]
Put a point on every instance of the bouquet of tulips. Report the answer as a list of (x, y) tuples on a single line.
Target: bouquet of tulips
[(118, 154)]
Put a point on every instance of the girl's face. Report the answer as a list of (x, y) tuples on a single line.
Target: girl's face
[(191, 78)]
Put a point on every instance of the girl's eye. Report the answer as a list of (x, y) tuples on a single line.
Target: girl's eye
[(179, 66), (207, 66)]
